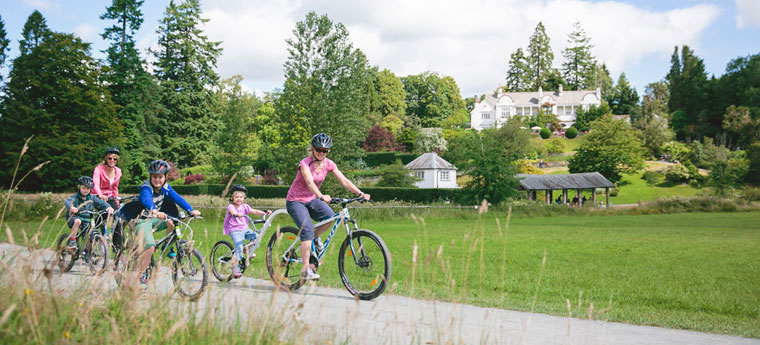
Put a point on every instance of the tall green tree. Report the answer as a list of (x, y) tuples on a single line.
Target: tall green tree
[(518, 72), (34, 31), (688, 93), (56, 93), (604, 82), (388, 95), (584, 117), (493, 162), (432, 98), (625, 100), (4, 45), (184, 67), (132, 88), (579, 67), (739, 87), (655, 100), (610, 148), (653, 131), (237, 144), (326, 90), (540, 58)]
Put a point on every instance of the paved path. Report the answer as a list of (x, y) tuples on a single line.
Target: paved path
[(332, 315)]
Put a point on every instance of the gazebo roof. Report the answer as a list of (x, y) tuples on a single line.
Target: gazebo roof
[(569, 181)]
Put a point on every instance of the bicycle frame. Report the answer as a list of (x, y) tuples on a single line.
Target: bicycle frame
[(175, 235)]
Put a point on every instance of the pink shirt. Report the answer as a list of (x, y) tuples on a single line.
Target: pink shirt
[(104, 185), (232, 223), (299, 191)]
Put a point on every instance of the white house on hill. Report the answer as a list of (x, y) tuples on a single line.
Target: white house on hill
[(496, 109), (434, 171)]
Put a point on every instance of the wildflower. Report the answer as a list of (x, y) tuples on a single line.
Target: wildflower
[(67, 335)]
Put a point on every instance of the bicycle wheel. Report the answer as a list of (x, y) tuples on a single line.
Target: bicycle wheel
[(97, 259), (365, 270), (64, 255), (283, 253), (221, 260), (190, 274)]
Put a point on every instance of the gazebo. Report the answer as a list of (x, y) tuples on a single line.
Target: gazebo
[(579, 182)]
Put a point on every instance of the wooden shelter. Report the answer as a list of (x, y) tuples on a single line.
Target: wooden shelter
[(579, 182)]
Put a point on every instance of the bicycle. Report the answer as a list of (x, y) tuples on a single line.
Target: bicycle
[(116, 223), (189, 270), (91, 247), (223, 251), (364, 262)]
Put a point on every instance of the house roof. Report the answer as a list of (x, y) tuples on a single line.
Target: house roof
[(429, 160), (570, 181), (531, 98)]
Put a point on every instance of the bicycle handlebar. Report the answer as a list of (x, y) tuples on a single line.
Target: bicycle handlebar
[(344, 201)]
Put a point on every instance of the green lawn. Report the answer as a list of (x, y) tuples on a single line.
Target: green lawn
[(570, 144), (634, 189), (697, 271)]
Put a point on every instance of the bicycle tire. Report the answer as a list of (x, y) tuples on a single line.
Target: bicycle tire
[(184, 264), (221, 260), (97, 257), (364, 280), (66, 257), (287, 274)]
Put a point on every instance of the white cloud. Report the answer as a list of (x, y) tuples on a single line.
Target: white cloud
[(87, 32), (747, 13), (43, 4), (470, 41)]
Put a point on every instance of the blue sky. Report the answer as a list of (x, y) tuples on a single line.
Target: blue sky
[(468, 40)]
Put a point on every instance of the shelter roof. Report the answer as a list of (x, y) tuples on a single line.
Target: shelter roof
[(569, 181)]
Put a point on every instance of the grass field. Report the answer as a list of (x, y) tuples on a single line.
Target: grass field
[(697, 271)]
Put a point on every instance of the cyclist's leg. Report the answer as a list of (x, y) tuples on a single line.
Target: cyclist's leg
[(145, 230), (238, 238), (74, 223), (301, 216), (319, 210), (250, 236)]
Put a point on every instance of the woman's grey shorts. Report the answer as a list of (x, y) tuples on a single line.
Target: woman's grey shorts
[(303, 213)]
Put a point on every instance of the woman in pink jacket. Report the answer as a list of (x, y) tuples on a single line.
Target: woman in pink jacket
[(106, 177)]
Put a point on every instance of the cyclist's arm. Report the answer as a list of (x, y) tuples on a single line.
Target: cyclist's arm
[(96, 177), (180, 201), (345, 182), (100, 204), (146, 198)]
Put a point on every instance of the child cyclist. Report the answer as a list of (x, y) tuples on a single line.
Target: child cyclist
[(236, 226), (82, 200), (157, 200)]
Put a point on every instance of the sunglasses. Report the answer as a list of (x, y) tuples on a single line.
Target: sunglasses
[(322, 150), (113, 159)]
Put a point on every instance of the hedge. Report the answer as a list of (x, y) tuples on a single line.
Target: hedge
[(417, 195), (376, 159)]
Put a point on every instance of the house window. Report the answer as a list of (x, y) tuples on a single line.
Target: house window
[(534, 110), (504, 112), (485, 116), (444, 175), (419, 174)]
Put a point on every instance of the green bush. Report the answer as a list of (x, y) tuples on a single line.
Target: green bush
[(571, 133), (653, 177), (545, 133), (555, 145), (677, 174), (751, 194)]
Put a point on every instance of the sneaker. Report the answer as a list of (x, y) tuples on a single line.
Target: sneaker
[(171, 253), (236, 272), (144, 279), (72, 243), (309, 274), (318, 244)]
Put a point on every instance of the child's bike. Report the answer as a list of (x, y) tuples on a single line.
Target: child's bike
[(91, 247), (223, 252), (189, 271), (364, 262)]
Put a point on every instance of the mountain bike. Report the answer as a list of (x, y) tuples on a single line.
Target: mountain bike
[(91, 246), (189, 270), (223, 252), (364, 262), (112, 228)]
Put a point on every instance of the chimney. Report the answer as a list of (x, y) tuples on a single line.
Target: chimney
[(540, 93), (560, 90)]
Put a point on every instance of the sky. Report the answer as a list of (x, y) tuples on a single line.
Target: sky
[(468, 40)]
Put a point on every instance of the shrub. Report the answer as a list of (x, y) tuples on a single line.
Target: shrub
[(751, 194), (545, 133), (614, 191), (396, 175), (194, 178), (173, 172), (270, 178), (653, 177), (555, 145), (571, 133), (675, 151), (677, 174), (524, 167)]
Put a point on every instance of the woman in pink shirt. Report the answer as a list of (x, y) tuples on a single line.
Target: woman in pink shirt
[(305, 202), (106, 177)]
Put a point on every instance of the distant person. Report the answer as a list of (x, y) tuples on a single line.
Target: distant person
[(106, 176), (575, 200)]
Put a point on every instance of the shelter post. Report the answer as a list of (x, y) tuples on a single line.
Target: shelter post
[(607, 194), (580, 197), (564, 196), (593, 196)]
